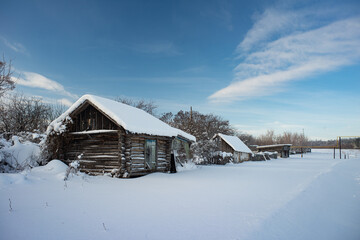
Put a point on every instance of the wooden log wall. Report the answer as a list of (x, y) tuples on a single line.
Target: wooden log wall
[(136, 149), (127, 165), (121, 149), (137, 157), (118, 153), (97, 153), (163, 155)]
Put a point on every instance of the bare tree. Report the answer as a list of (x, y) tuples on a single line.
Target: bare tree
[(23, 114), (6, 81), (167, 117), (55, 110), (296, 139), (202, 126), (248, 139), (267, 138), (148, 106)]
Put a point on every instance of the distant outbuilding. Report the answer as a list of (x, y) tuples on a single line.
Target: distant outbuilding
[(283, 150), (232, 144)]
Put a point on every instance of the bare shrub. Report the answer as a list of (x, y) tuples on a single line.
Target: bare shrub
[(148, 106), (19, 113), (6, 81), (202, 126)]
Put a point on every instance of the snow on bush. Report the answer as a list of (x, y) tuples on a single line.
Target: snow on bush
[(58, 126), (203, 150), (72, 169), (19, 152), (206, 152)]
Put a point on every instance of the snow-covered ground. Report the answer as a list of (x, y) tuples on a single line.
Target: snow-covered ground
[(315, 197)]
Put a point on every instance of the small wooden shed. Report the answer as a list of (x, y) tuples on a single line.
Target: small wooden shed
[(232, 144), (106, 136), (283, 150)]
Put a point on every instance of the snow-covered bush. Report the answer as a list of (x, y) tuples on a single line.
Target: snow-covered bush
[(207, 152), (19, 152), (58, 126), (203, 151), (56, 129), (72, 169)]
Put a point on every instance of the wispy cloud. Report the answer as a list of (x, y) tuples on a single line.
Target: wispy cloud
[(283, 46), (15, 46), (65, 102), (35, 80), (165, 47)]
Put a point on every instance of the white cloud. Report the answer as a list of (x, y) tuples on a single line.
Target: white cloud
[(271, 22), (65, 102), (17, 47), (296, 54), (36, 80)]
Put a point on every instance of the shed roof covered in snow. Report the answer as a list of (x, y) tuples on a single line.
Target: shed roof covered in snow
[(273, 146), (235, 143), (130, 118)]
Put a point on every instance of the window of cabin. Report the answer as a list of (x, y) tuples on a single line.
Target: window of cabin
[(182, 148), (150, 153)]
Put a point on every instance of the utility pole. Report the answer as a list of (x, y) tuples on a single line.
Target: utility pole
[(191, 121), (340, 146), (303, 143), (190, 114)]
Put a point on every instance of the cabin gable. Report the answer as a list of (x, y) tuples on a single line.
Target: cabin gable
[(89, 117)]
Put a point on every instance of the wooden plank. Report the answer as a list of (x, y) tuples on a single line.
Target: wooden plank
[(88, 152), (92, 146)]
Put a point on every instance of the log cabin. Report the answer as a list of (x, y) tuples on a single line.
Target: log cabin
[(232, 144), (109, 137)]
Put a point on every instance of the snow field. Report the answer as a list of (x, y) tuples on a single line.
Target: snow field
[(315, 197)]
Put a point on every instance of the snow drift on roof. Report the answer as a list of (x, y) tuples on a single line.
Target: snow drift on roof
[(130, 118), (235, 143)]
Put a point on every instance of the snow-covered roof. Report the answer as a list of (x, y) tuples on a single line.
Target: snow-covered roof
[(235, 143), (130, 118), (274, 145)]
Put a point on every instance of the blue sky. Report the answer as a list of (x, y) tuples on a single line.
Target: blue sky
[(281, 65)]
